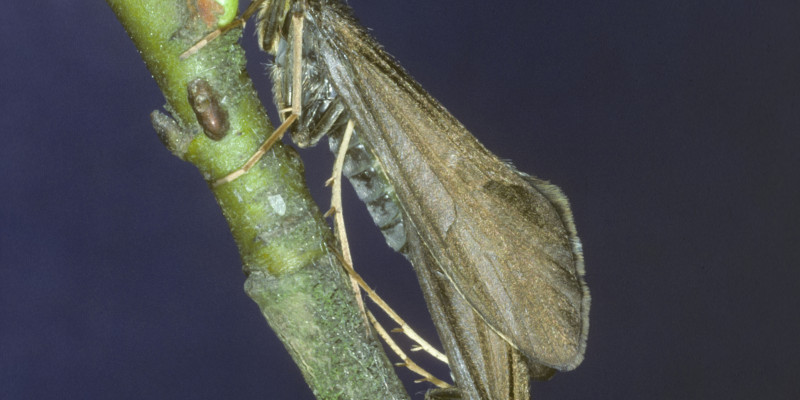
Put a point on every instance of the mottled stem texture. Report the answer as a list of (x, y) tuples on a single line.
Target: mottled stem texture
[(285, 245)]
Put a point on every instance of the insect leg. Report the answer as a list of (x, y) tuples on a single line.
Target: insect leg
[(297, 91), (336, 207), (335, 182), (407, 362)]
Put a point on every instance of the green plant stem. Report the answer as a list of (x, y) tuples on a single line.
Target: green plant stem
[(283, 240)]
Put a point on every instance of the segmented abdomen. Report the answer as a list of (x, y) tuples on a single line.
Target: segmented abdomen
[(373, 188)]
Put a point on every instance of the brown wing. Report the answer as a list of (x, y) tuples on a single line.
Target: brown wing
[(483, 364), (506, 241)]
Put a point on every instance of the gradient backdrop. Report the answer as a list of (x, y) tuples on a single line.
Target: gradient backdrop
[(672, 126)]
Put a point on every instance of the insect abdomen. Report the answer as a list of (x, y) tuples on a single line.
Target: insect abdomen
[(373, 188)]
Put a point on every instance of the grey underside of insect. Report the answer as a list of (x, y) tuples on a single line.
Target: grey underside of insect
[(495, 250)]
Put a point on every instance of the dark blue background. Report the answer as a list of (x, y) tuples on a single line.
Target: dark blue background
[(672, 126)]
